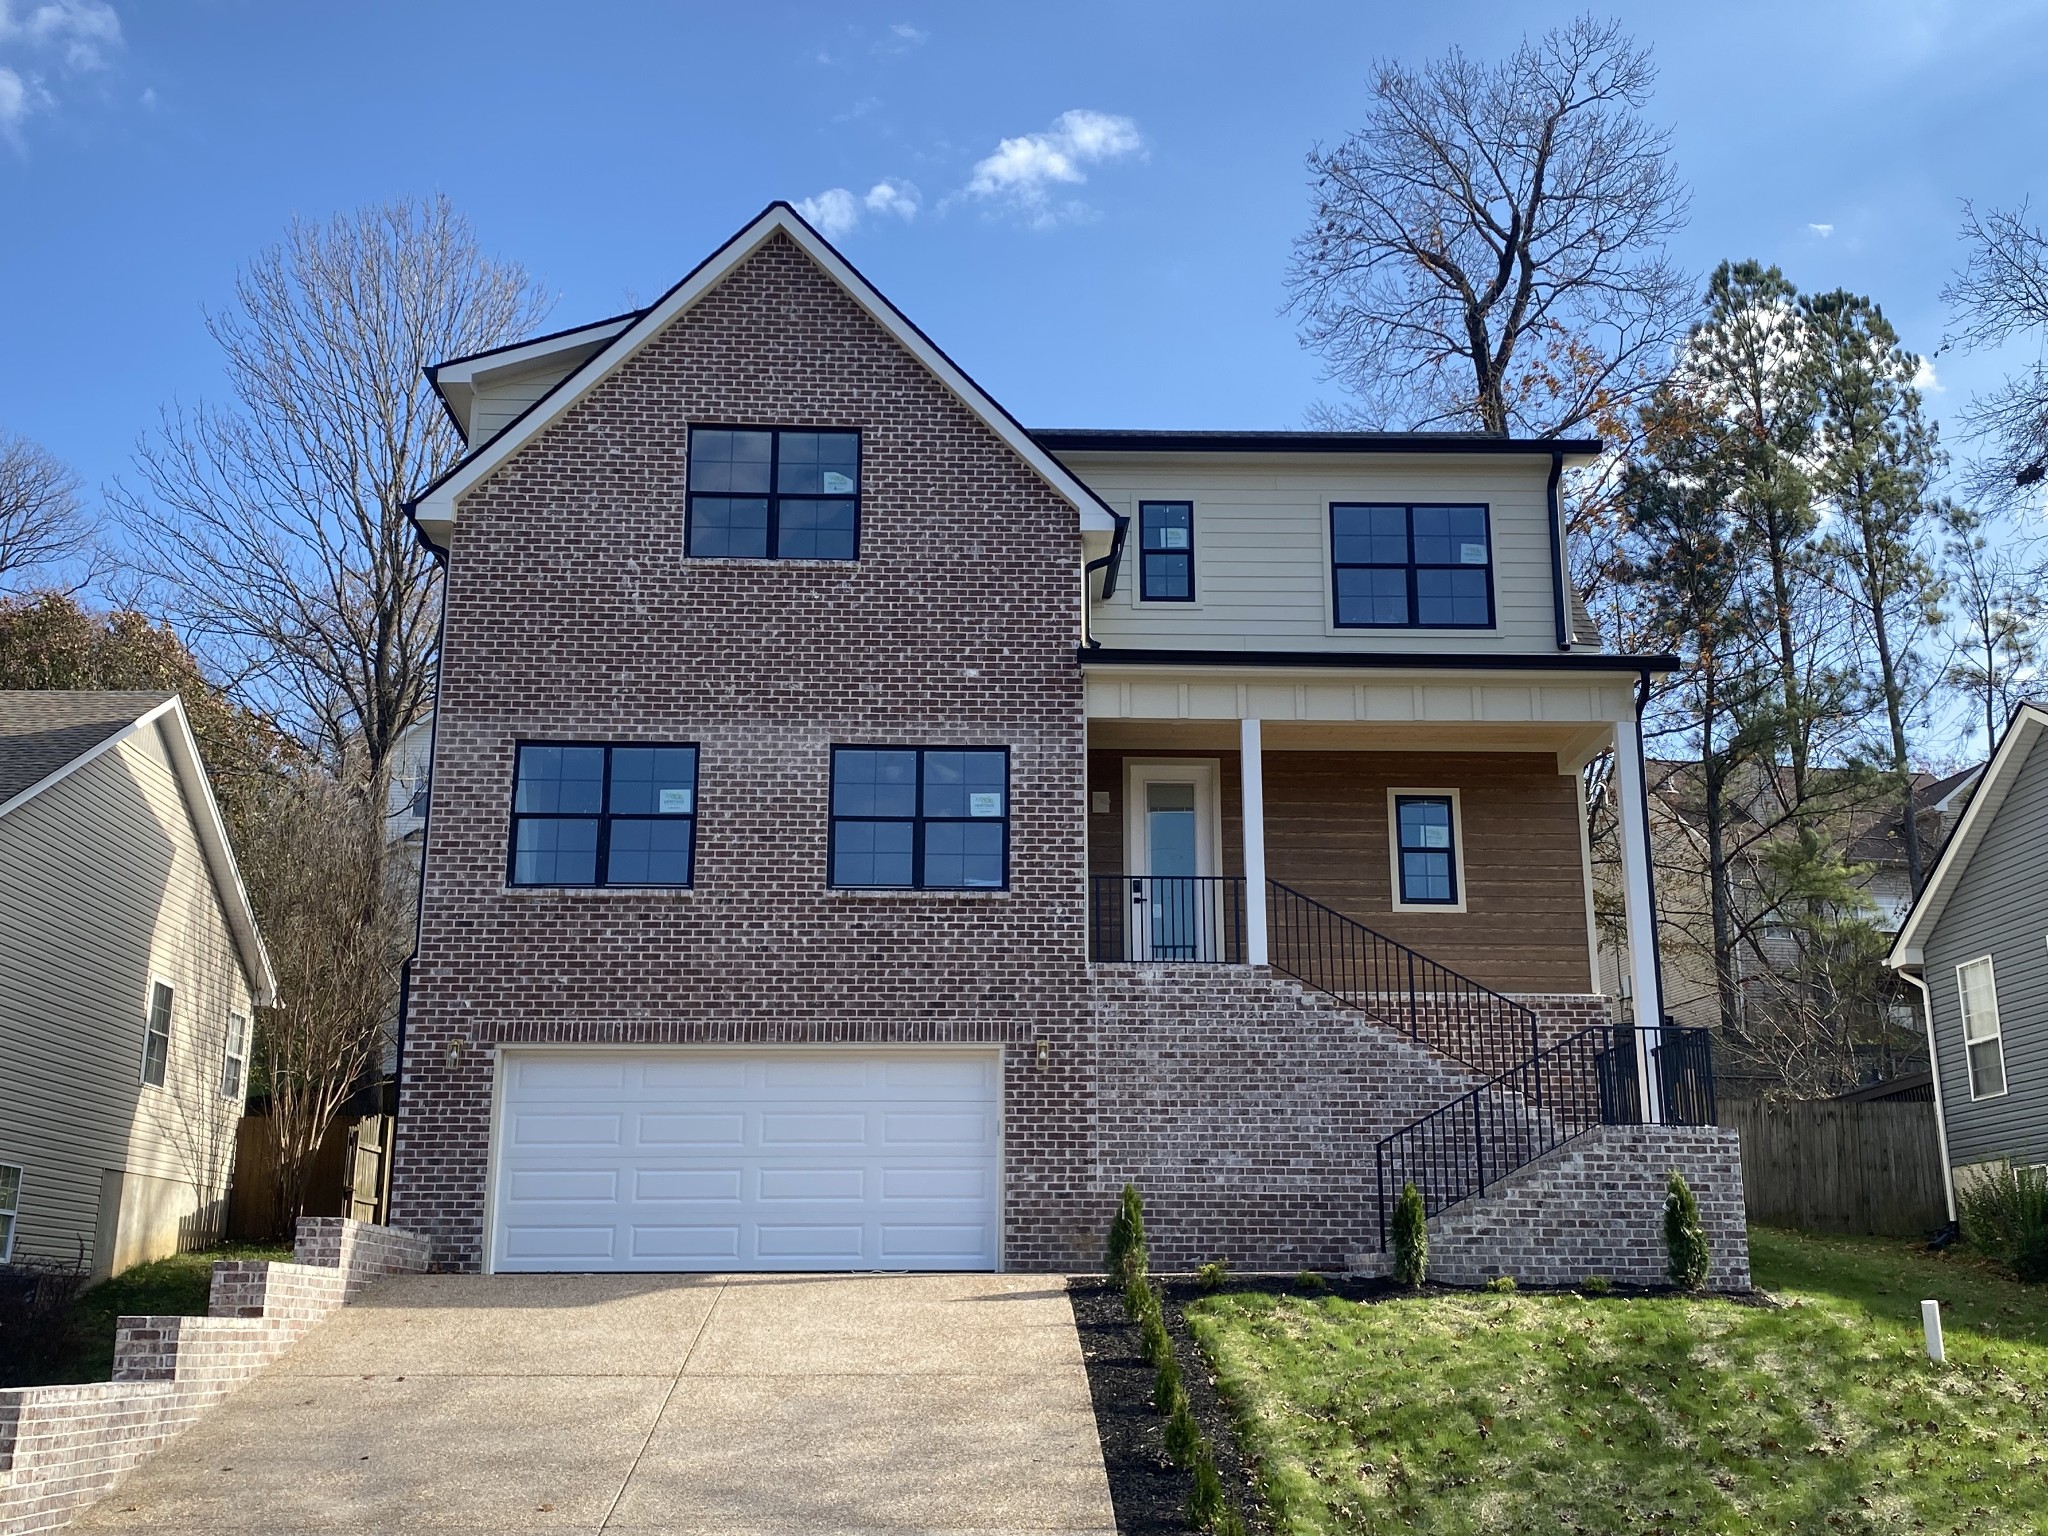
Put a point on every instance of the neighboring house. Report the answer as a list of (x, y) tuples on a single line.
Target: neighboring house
[(865, 833), (1976, 947), (129, 965)]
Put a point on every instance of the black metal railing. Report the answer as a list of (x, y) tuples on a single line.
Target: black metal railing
[(1338, 955), (1586, 1080), (1172, 919)]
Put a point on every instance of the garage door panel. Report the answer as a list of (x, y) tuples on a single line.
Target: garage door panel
[(630, 1158)]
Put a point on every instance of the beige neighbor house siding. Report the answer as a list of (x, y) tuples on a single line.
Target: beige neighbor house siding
[(1262, 548), (107, 890)]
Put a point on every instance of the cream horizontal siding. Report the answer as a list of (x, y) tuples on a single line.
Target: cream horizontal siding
[(500, 397), (1262, 553), (106, 887)]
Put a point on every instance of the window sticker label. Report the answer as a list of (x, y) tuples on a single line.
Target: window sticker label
[(837, 484), (678, 802), (1472, 554), (1436, 837), (1173, 538), (985, 803)]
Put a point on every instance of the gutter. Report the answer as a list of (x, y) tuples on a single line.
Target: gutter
[(1948, 1176), (1112, 563), (1351, 661), (1557, 571)]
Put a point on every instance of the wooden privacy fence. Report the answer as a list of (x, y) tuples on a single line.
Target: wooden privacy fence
[(1836, 1167), (350, 1175)]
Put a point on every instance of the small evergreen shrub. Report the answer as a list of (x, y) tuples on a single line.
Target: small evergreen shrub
[(2004, 1213), (1206, 1505), (1210, 1276), (1183, 1434), (1685, 1240), (1136, 1281), (1411, 1238), (1126, 1233), (1308, 1280), (1596, 1285), (1501, 1285), (1167, 1392), (1152, 1330)]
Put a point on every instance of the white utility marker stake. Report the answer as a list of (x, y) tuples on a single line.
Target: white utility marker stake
[(1930, 1319)]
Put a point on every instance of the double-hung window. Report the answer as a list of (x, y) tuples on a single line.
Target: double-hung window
[(234, 1062), (1166, 551), (773, 494), (921, 818), (1427, 859), (10, 1207), (156, 1035), (1411, 567), (603, 815), (1977, 990)]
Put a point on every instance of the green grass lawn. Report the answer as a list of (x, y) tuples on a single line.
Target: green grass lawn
[(173, 1286), (1472, 1412)]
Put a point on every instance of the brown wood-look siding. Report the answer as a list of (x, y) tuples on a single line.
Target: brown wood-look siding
[(1524, 929)]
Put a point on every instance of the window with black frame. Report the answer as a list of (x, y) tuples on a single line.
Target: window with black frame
[(604, 815), (1166, 551), (1411, 567), (770, 493), (920, 818), (1426, 849)]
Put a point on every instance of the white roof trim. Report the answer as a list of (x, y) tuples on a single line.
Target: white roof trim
[(1908, 949), (207, 825), (457, 382), (434, 510)]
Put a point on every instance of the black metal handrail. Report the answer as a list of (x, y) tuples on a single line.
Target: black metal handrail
[(1173, 919), (1535, 1107), (1385, 979)]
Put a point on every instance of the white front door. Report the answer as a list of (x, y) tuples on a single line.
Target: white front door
[(1178, 908), (706, 1158)]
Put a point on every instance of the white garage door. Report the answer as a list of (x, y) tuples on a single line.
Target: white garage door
[(801, 1159)]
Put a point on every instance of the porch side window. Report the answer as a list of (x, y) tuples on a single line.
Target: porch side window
[(1426, 849), (1978, 990), (1166, 551), (919, 818), (10, 1207), (1411, 567), (772, 493), (156, 1035), (604, 815), (234, 1063)]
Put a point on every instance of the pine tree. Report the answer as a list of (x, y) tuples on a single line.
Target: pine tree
[(1410, 1237), (1685, 1240)]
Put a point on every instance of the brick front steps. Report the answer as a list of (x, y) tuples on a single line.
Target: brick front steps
[(1595, 1206), (62, 1448)]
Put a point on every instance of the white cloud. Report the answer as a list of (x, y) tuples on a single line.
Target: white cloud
[(71, 36), (14, 98), (1823, 230), (81, 29), (908, 34), (1023, 171), (836, 212), (1926, 380)]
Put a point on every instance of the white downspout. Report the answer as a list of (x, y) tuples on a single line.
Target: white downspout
[(1948, 1177)]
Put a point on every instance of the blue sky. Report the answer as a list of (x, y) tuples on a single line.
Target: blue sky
[(147, 150)]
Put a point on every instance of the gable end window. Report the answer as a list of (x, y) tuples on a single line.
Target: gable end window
[(1166, 551), (773, 493), (156, 1035), (10, 1207), (918, 818), (1427, 847), (1411, 567), (234, 1062), (603, 815), (1977, 991)]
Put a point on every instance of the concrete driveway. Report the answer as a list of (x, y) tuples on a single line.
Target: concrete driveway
[(742, 1404)]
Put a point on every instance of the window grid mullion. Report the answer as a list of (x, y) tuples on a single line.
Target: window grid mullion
[(775, 494)]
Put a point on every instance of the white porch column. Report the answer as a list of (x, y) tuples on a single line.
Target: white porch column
[(1640, 910), (1254, 772)]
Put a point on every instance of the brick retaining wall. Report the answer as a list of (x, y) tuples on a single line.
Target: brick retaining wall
[(62, 1448)]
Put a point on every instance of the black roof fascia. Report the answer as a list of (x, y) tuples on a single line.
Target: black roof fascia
[(1573, 661), (432, 370), (1083, 439)]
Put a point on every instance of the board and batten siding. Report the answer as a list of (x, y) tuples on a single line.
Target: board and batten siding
[(1999, 908), (107, 888), (1262, 548)]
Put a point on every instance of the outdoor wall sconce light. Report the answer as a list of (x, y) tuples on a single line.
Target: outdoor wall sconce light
[(1044, 1052), (454, 1053)]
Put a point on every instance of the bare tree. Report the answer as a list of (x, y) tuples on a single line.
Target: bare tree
[(337, 928), (273, 532), (2000, 293), (42, 524), (1999, 612), (1489, 250)]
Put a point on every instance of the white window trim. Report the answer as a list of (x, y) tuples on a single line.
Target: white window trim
[(13, 1212), (1996, 1036), (1457, 851), (241, 1059), (170, 1031)]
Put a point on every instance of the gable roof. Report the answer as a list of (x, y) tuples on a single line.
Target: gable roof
[(433, 510), (2021, 732), (46, 736)]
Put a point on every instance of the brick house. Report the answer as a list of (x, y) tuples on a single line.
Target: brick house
[(865, 833)]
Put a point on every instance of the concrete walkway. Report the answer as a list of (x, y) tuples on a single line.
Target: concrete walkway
[(740, 1405)]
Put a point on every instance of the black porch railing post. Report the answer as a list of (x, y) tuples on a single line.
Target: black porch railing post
[(1478, 1142)]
